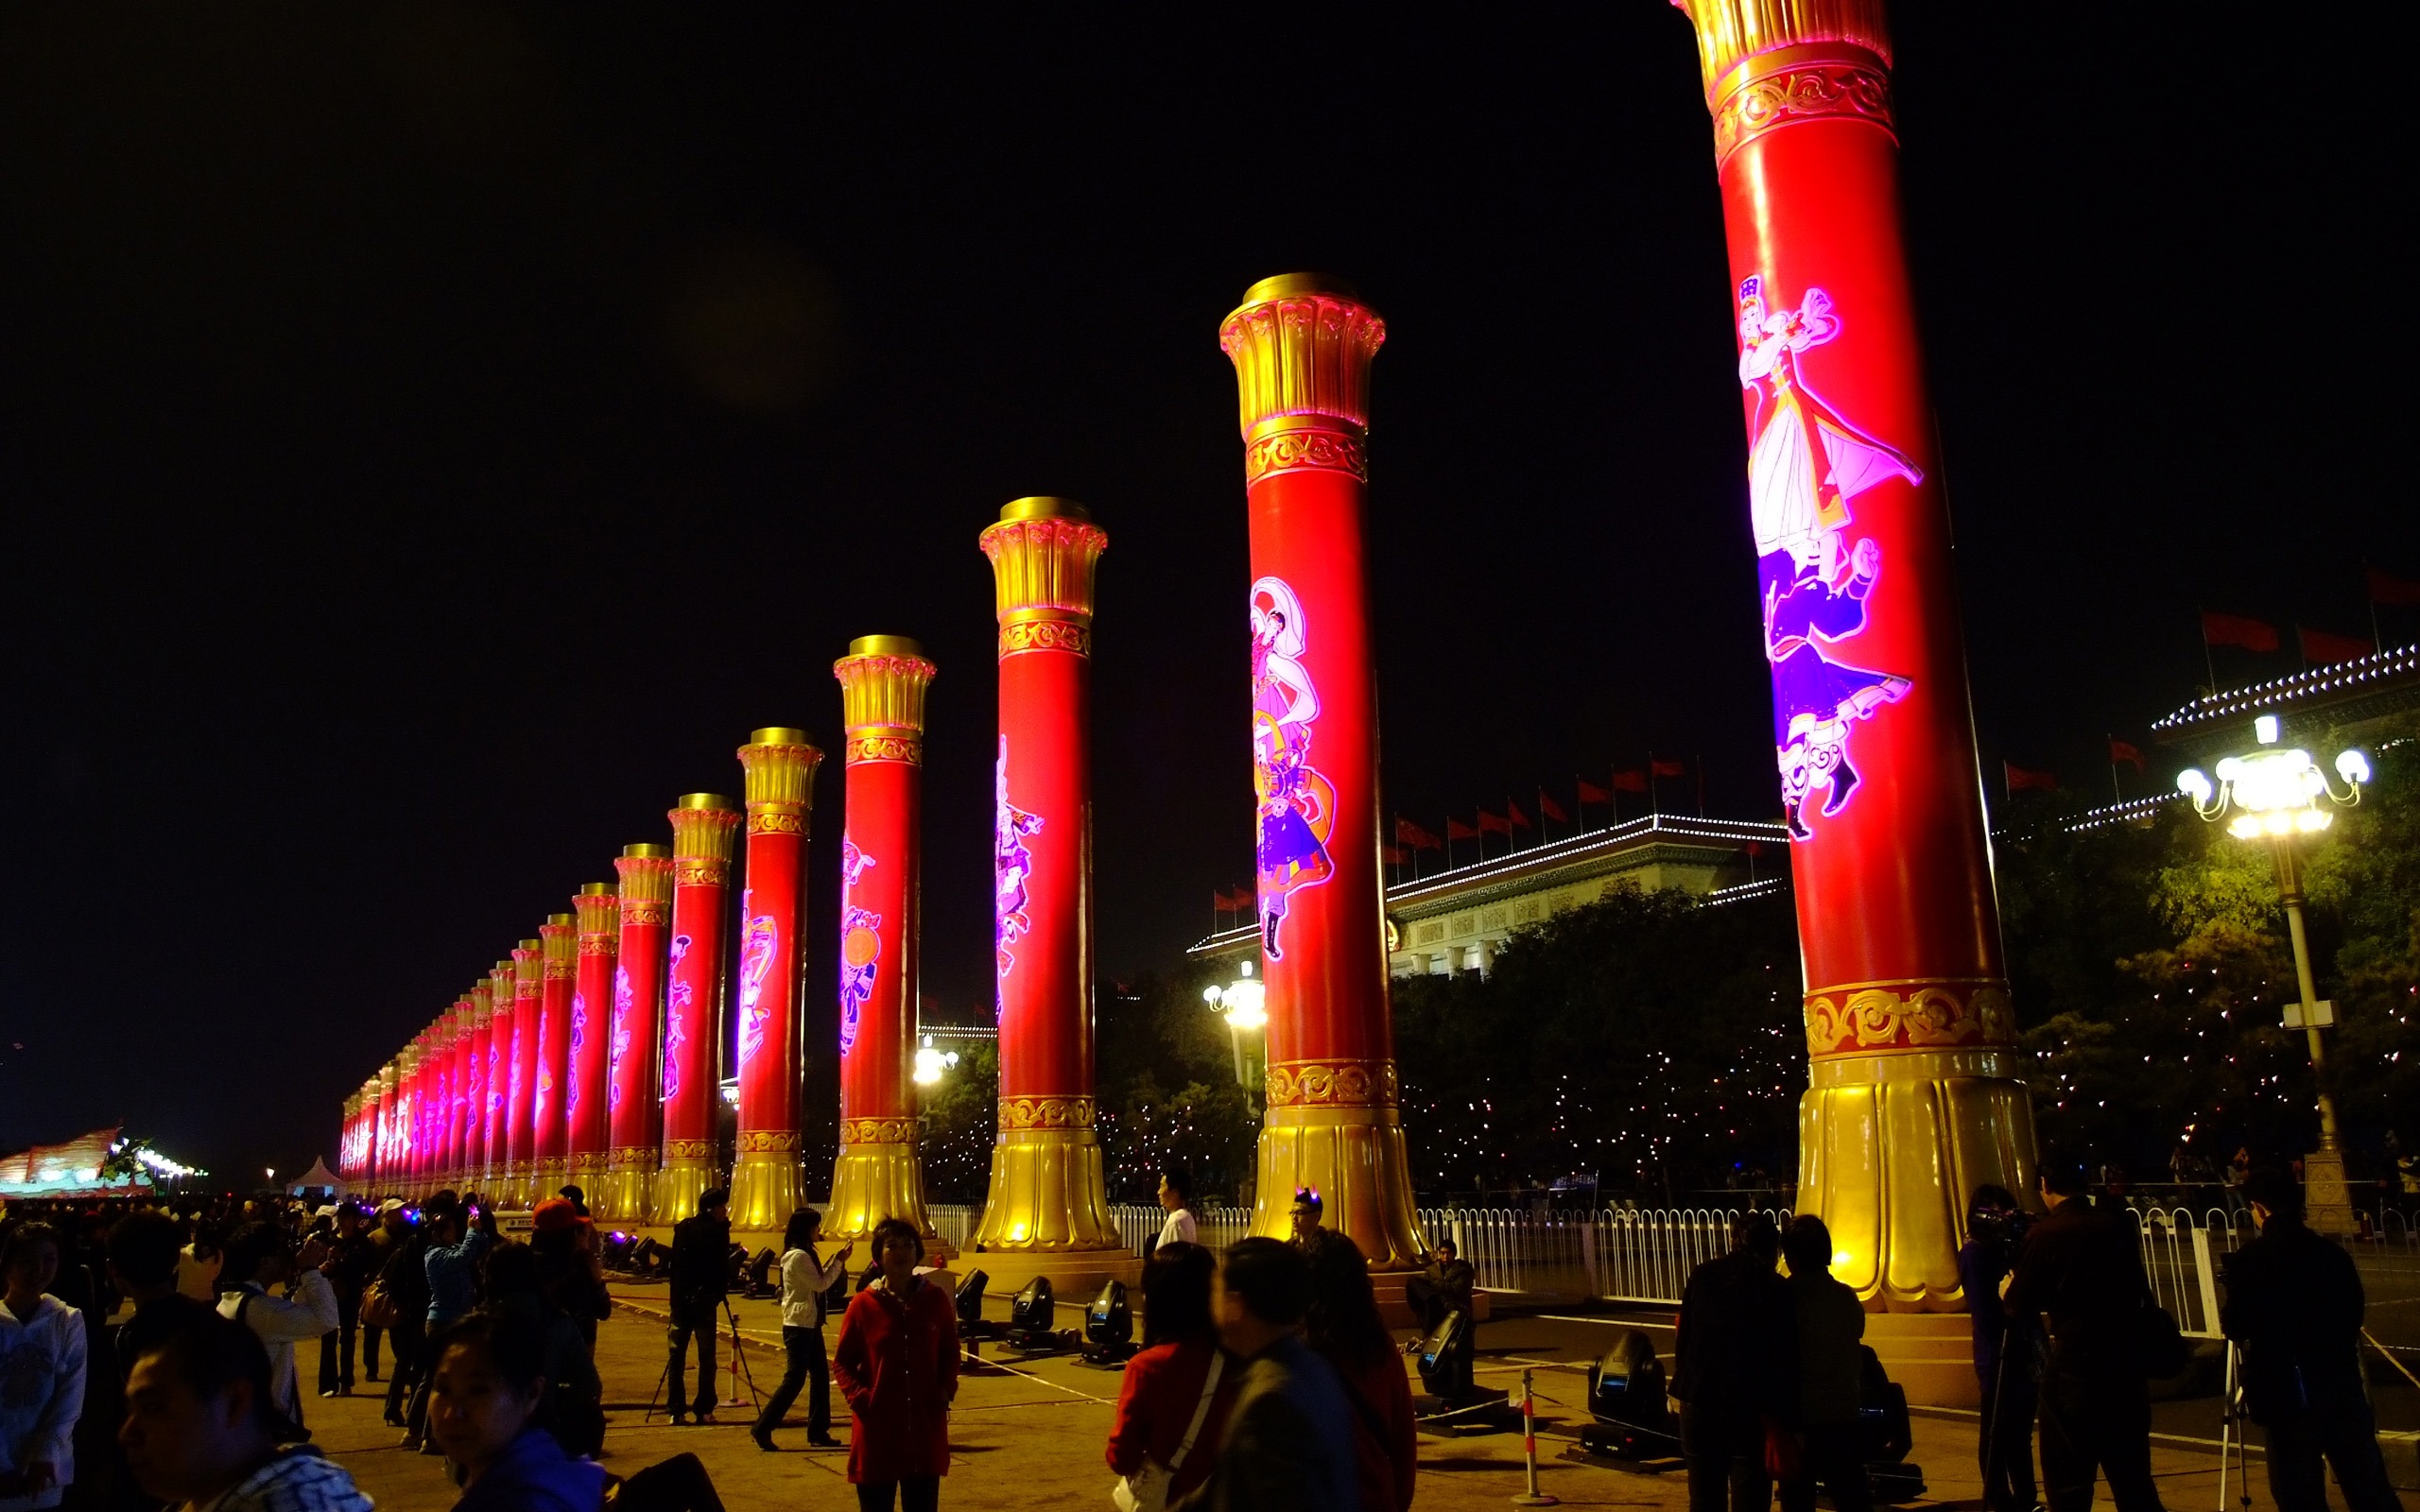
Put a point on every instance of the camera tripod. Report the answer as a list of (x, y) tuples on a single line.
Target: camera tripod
[(741, 1370)]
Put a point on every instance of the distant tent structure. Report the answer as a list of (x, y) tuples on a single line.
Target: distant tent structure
[(318, 1178)]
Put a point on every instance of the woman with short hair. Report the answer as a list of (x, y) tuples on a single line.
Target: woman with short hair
[(896, 1365)]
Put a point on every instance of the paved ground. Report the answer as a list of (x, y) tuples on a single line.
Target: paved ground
[(1031, 1435)]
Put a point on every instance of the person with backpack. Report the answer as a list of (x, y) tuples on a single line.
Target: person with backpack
[(1172, 1405), (301, 1306)]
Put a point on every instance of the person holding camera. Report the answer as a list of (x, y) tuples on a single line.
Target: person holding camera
[(805, 1278), (2007, 1352)]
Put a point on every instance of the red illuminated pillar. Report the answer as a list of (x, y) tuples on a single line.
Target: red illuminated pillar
[(374, 1132), (876, 1175), (588, 1103), (1913, 1097), (767, 1183), (495, 1081), (386, 1166), (474, 1087), (1302, 347), (703, 825), (521, 1082), (637, 1030), (548, 1114), (415, 1117), (1046, 1192), (446, 1109), (462, 1107)]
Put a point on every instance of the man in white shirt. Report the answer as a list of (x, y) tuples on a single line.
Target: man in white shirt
[(258, 1260), (1176, 1196)]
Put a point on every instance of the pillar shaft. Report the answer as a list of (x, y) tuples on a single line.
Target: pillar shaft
[(415, 1114), (1914, 1098), (703, 825), (646, 873), (1301, 348), (521, 1086), (474, 1087), (876, 1174), (384, 1165), (559, 938), (1047, 1189), (497, 1080), (767, 1183), (588, 1101), (447, 1124)]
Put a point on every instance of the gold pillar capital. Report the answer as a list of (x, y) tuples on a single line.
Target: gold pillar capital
[(1732, 32), (500, 991), (559, 945), (646, 883), (1772, 63), (883, 680), (482, 1004), (1301, 344), (599, 907), (1044, 552), (778, 766), (702, 827), (528, 968)]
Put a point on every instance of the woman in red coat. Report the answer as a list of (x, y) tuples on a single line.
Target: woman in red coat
[(1344, 1326), (1173, 1408), (896, 1364)]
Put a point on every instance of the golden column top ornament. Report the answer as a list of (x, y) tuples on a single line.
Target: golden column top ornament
[(560, 945), (483, 1003), (389, 1074), (599, 906), (1044, 552), (1731, 31), (883, 680), (1767, 63), (500, 985), (1302, 345), (646, 883), (779, 766), (528, 968), (703, 825)]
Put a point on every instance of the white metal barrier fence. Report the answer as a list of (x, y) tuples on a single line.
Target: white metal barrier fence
[(1139, 1227)]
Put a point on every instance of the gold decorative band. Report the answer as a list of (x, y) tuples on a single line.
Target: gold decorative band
[(768, 1141), (906, 748), (1739, 35), (877, 1130), (1045, 635), (1045, 1113), (772, 820), (629, 1155), (688, 1149), (1882, 1018), (1805, 84), (701, 871), (600, 944), (1332, 1084), (642, 914), (1306, 451), (560, 971), (523, 991)]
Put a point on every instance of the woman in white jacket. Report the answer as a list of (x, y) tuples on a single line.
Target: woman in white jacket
[(804, 1280), (258, 1261), (42, 1373)]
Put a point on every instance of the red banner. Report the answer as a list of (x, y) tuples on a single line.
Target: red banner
[(2019, 778), (2320, 648), (2237, 630)]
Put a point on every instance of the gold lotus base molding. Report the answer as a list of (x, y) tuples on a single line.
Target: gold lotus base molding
[(1890, 1148), (1356, 1159), (546, 1178), (625, 1195), (586, 1170), (688, 1172), (1047, 1194), (873, 1181), (766, 1186)]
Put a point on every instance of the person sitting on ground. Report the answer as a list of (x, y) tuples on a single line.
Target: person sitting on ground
[(43, 1350), (202, 1430), (2295, 1303), (1305, 1215), (259, 1267), (804, 1280), (1735, 1368), (1173, 1408), (1344, 1325), (1289, 1441), (1448, 1285), (701, 1279), (1831, 1362), (1176, 1196), (896, 1365)]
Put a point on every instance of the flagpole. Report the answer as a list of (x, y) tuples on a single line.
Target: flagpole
[(1613, 794), (1700, 759), (1655, 794), (2207, 666), (2114, 786)]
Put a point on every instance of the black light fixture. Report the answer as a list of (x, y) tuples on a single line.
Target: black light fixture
[(1109, 1327), (647, 1258), (762, 1281), (970, 1300), (618, 1249), (1033, 1316), (1884, 1437), (1626, 1396), (1444, 1364)]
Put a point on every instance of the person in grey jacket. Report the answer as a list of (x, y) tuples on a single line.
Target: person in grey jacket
[(1289, 1440)]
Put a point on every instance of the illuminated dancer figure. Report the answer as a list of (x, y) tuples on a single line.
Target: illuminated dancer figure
[(860, 944), (755, 963), (1297, 805), (1803, 466), (1012, 862)]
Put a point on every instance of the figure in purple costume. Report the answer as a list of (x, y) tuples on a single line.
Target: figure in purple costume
[(1296, 804)]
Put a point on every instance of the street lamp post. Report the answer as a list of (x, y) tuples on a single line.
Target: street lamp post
[(1242, 1000), (2275, 794)]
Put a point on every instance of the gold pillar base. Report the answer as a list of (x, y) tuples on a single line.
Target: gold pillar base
[(508, 1184), (1047, 1194), (2328, 1201), (689, 1171), (586, 1170), (546, 1178), (1890, 1148), (1356, 1159), (876, 1177), (767, 1182), (623, 1196)]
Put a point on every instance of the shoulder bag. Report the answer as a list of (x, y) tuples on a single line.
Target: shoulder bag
[(1146, 1489)]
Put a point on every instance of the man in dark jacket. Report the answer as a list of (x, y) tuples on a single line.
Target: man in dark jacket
[(2079, 1269), (352, 1264), (1288, 1443), (701, 1279), (2005, 1358), (2294, 1303), (1734, 1369)]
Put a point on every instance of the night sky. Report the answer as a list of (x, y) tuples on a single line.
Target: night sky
[(434, 436)]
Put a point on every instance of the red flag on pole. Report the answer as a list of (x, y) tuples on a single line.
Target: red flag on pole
[(1497, 822), (2386, 589), (1393, 855), (2122, 751), (1631, 781), (1518, 820), (1590, 793), (2019, 778), (1552, 810), (2320, 648), (1457, 830), (1668, 768), (2237, 630), (1413, 836)]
